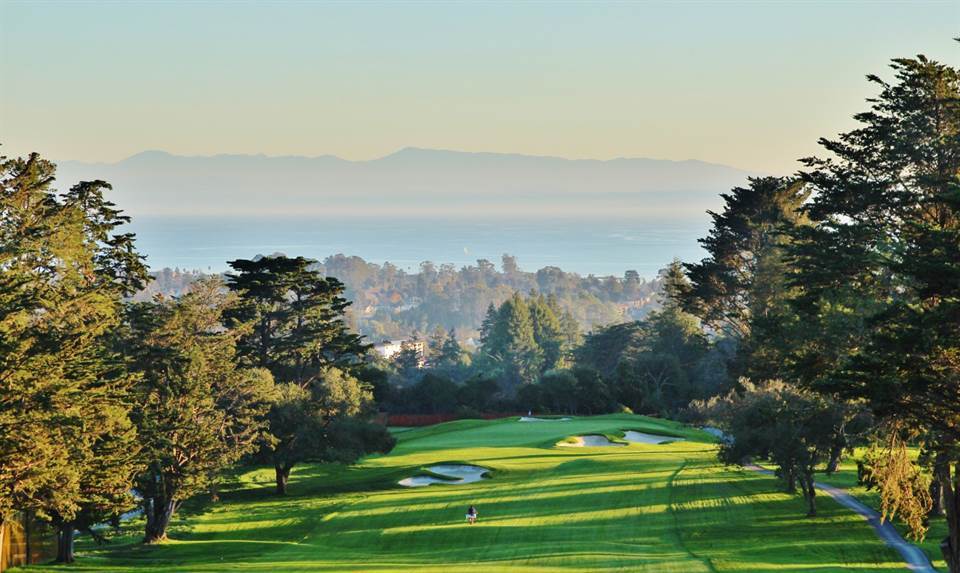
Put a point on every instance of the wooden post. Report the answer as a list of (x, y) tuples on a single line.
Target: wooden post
[(26, 538), (3, 559)]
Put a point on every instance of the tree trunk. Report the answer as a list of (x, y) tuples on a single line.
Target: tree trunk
[(159, 512), (950, 546), (283, 476), (65, 542), (790, 480), (836, 456), (809, 494), (936, 495), (26, 536), (3, 530)]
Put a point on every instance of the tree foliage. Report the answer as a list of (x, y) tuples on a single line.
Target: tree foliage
[(886, 209), (197, 411), (295, 318), (291, 320), (66, 440), (658, 364), (791, 427), (526, 337)]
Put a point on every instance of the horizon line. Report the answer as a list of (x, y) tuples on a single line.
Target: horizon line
[(409, 148)]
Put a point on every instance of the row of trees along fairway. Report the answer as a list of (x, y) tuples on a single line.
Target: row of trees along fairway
[(106, 404), (840, 289)]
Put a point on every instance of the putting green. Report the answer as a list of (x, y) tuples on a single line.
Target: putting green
[(641, 507)]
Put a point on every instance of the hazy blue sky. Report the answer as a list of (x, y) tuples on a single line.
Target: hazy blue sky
[(749, 84)]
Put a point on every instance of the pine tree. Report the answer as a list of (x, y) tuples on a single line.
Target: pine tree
[(291, 321), (489, 320), (409, 360), (511, 342), (451, 352), (294, 317), (65, 436), (435, 344), (547, 333)]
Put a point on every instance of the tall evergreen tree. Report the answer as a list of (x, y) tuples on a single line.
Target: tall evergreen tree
[(295, 318), (547, 333), (409, 360), (435, 343), (887, 214), (65, 434), (741, 286), (451, 353), (292, 322), (511, 343), (489, 320), (197, 412), (661, 372)]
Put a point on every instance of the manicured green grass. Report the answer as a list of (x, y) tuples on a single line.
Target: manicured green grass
[(847, 479), (662, 508)]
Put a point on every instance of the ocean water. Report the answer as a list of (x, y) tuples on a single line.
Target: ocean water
[(596, 246)]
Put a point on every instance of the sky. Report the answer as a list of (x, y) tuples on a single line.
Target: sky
[(747, 84)]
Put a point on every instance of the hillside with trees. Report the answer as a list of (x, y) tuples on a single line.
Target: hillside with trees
[(391, 303)]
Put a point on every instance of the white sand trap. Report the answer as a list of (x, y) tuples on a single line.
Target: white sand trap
[(644, 438), (462, 473), (589, 442), (719, 434), (532, 419)]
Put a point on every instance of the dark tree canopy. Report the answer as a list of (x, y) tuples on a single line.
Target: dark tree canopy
[(739, 280), (294, 317), (886, 243)]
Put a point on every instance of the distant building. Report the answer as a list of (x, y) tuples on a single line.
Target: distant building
[(390, 348)]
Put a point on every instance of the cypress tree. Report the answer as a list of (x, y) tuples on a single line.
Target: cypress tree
[(196, 410), (291, 321), (66, 440), (887, 214)]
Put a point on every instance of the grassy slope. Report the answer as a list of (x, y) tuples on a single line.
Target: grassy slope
[(639, 508)]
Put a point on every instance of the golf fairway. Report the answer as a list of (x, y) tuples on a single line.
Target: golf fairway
[(641, 507)]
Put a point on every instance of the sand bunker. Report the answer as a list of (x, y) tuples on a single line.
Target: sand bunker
[(644, 438), (462, 474), (532, 419), (590, 441), (719, 434)]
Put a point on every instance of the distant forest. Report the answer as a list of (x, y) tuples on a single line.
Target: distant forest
[(391, 303)]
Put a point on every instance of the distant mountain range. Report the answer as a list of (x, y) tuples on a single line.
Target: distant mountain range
[(410, 182)]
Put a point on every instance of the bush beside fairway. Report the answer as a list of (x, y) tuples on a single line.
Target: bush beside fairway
[(641, 507)]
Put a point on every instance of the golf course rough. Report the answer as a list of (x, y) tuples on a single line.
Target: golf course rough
[(640, 507)]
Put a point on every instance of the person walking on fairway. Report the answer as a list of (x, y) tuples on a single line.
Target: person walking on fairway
[(471, 515)]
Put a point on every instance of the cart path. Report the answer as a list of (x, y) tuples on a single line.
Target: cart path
[(914, 557)]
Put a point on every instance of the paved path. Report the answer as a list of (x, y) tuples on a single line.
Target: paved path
[(915, 558)]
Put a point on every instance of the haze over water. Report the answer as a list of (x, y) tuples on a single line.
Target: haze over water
[(586, 246)]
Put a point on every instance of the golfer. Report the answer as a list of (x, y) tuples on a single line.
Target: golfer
[(471, 515)]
